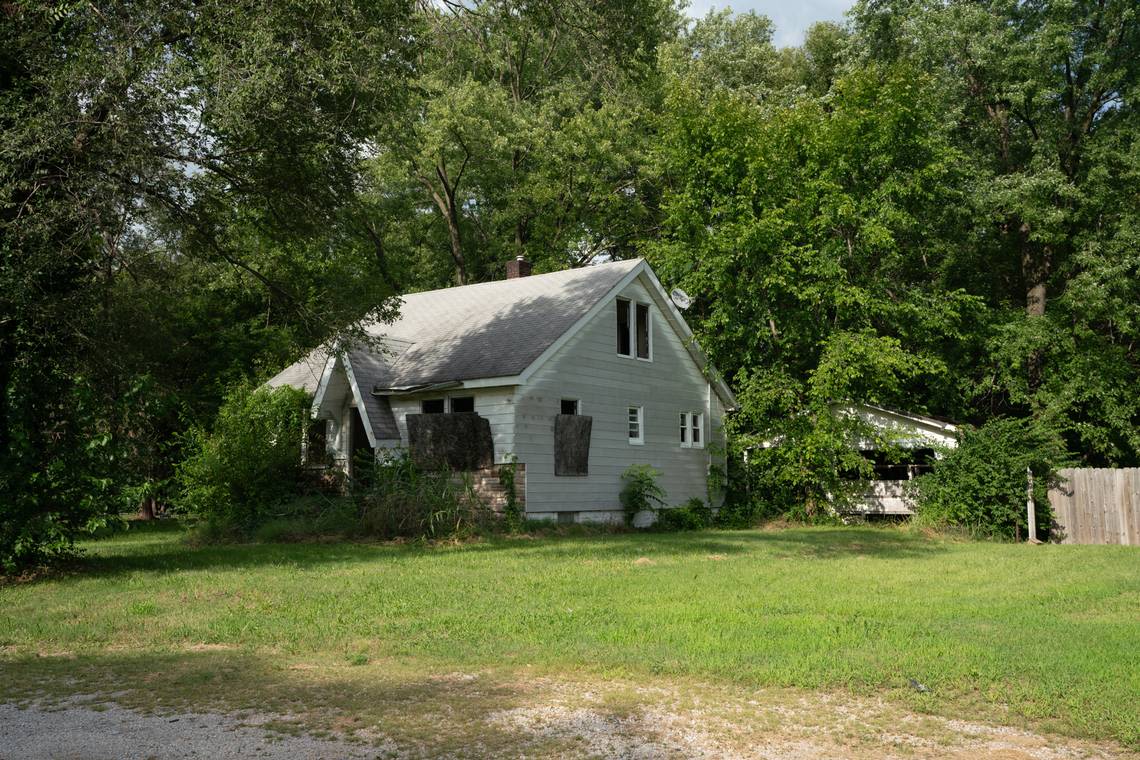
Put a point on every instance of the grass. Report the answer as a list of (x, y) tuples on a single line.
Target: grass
[(1047, 636)]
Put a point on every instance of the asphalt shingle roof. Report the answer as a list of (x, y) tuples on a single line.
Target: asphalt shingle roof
[(491, 329)]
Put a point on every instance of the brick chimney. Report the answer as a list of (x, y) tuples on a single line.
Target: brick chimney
[(520, 267)]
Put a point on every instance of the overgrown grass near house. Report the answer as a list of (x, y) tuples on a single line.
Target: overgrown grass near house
[(1047, 636)]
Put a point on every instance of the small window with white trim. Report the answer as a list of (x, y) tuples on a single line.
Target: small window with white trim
[(571, 406), (432, 406), (695, 432), (636, 419)]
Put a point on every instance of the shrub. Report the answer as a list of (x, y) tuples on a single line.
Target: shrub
[(981, 485), (694, 515), (403, 500), (248, 464), (641, 491)]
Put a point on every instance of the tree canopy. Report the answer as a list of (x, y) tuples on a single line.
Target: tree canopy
[(934, 205)]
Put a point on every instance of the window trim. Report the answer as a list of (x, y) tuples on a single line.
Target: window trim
[(640, 439), (648, 332), (629, 320), (631, 328), (698, 428)]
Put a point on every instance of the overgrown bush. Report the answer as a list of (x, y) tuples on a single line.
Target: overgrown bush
[(641, 491), (73, 489), (250, 462), (694, 515), (981, 485), (403, 500), (804, 466)]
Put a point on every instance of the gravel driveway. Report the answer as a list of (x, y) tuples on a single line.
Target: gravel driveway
[(115, 733)]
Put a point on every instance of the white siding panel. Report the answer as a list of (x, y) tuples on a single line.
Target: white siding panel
[(589, 368)]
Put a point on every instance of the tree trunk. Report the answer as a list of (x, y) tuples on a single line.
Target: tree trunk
[(456, 245), (147, 508), (1035, 269)]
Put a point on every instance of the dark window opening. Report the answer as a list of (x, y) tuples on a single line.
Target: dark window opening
[(567, 518), (432, 406), (910, 465), (361, 455), (317, 443), (462, 404), (569, 406), (642, 331), (623, 347)]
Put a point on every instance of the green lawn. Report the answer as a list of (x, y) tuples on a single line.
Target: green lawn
[(1045, 636)]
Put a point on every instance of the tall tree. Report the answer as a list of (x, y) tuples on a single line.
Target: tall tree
[(1046, 111), (526, 132), (169, 128)]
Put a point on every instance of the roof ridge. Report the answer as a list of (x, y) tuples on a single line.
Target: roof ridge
[(630, 262)]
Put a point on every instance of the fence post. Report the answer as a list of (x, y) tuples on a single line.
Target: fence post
[(1030, 507)]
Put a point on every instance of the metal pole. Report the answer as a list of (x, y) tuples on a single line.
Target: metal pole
[(1030, 507)]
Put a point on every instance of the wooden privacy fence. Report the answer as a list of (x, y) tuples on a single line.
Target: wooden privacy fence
[(1098, 506)]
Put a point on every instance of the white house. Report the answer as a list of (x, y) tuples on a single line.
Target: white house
[(526, 354), (920, 436)]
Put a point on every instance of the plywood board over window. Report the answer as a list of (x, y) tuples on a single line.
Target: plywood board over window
[(572, 444)]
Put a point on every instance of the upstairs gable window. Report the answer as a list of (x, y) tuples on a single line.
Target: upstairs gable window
[(623, 342), (643, 342), (634, 330)]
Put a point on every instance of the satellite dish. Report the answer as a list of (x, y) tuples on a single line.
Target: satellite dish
[(681, 299)]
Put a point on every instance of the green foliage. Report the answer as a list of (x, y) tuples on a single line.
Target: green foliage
[(981, 485), (235, 475), (177, 182), (56, 474), (640, 491), (403, 500), (692, 515), (512, 510)]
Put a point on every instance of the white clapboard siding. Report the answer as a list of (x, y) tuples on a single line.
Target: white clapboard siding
[(495, 404), (588, 368)]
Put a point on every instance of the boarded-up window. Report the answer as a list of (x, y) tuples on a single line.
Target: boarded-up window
[(459, 442), (623, 346), (642, 331), (572, 444)]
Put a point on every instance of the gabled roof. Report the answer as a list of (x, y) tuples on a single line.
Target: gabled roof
[(493, 331)]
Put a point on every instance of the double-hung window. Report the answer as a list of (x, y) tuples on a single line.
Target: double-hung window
[(635, 416), (634, 330), (692, 430)]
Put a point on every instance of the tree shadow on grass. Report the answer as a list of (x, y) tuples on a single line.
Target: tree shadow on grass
[(173, 554)]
